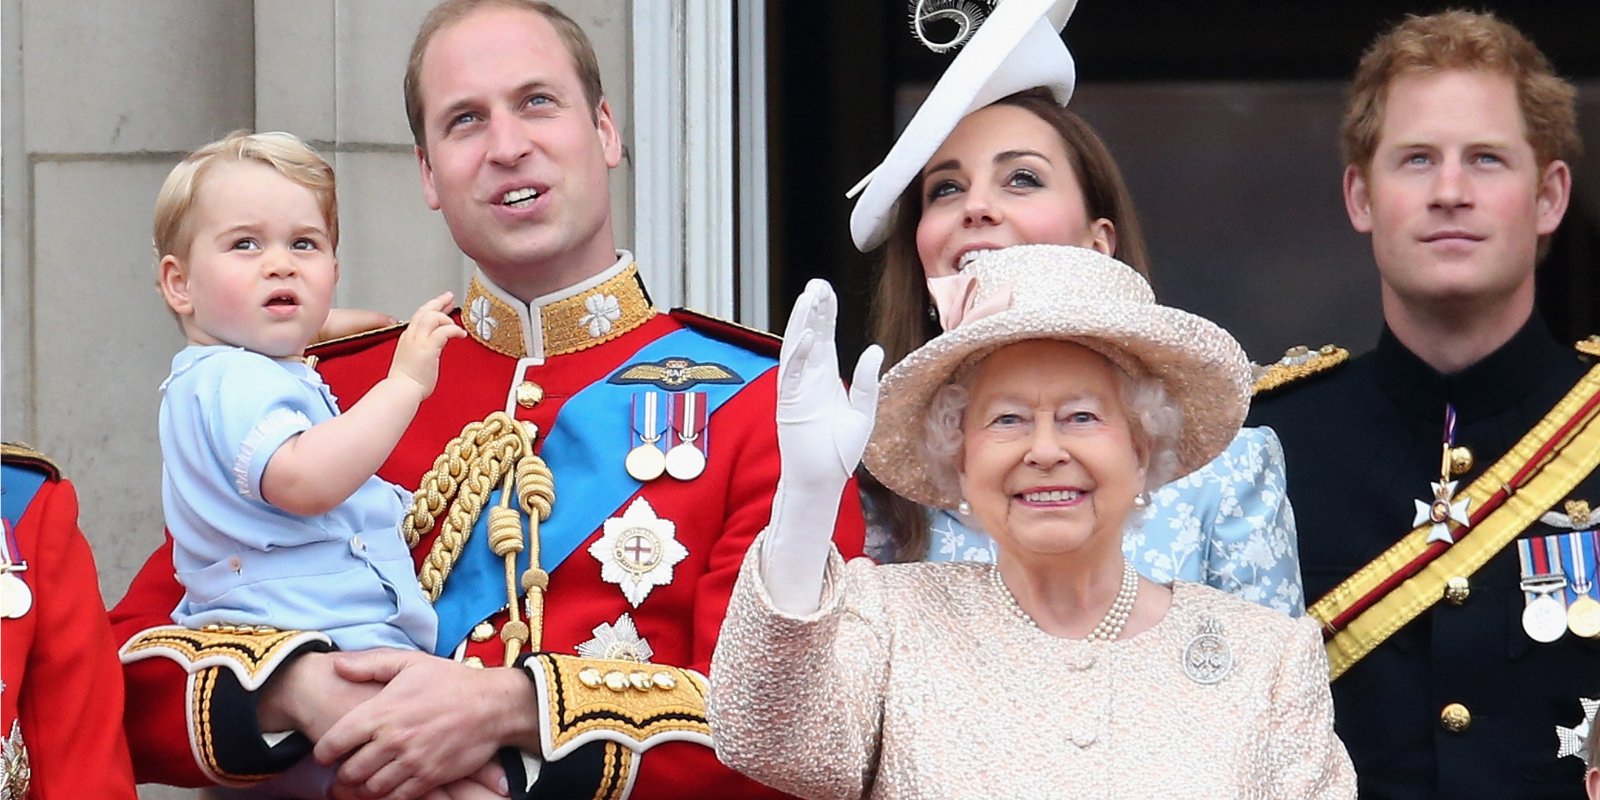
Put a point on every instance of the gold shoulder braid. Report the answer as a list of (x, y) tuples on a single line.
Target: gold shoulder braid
[(1298, 363), (499, 449), (1589, 346), (24, 454)]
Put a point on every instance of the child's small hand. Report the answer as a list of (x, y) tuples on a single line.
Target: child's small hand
[(416, 357)]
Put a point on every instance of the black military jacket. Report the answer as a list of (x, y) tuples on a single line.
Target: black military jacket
[(1362, 442)]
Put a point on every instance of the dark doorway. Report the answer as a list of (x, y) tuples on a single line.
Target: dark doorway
[(1223, 116)]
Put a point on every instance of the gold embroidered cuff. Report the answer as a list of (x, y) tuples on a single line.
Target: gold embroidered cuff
[(632, 704), (251, 653)]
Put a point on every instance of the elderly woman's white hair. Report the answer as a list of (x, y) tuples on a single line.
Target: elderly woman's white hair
[(1154, 422)]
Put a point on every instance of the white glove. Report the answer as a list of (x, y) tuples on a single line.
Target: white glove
[(822, 432)]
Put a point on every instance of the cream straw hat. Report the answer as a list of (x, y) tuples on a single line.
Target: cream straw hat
[(1078, 295)]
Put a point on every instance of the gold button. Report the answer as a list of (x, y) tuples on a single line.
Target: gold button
[(473, 661), (1455, 718), (664, 680), (640, 680), (617, 681), (1457, 590), (529, 394), (1460, 460), (591, 677), (481, 632)]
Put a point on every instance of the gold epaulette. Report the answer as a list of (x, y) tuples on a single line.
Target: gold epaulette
[(21, 454), (1589, 346), (632, 704), (1298, 363)]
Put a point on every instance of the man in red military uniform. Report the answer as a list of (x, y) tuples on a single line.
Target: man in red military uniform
[(592, 465), (60, 686)]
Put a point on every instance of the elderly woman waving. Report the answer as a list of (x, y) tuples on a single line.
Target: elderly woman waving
[(1061, 394)]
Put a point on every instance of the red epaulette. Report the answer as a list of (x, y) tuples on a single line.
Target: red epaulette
[(25, 456), (752, 339), (355, 342)]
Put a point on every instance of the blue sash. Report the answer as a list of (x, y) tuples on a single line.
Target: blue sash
[(585, 449), (18, 485)]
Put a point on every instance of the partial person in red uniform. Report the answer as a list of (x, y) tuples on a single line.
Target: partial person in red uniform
[(603, 464), (60, 685)]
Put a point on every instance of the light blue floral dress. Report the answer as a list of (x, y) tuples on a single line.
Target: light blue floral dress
[(1227, 525)]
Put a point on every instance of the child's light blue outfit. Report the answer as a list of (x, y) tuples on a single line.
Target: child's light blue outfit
[(348, 573), (1227, 525)]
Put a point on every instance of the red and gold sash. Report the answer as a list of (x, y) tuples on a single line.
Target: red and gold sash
[(1408, 578)]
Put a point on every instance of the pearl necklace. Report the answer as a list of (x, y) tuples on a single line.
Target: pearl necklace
[(1116, 617)]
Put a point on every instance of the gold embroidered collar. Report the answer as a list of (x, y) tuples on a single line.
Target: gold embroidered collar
[(576, 318)]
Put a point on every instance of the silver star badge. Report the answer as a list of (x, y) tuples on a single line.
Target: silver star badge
[(1441, 512), (619, 641), (1572, 739), (637, 551)]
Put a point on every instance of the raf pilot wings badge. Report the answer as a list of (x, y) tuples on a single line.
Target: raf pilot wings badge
[(674, 373)]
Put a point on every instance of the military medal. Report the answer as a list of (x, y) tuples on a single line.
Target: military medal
[(16, 599), (1570, 740), (1443, 509), (687, 459), (645, 461), (1583, 611), (1545, 618), (637, 551), (619, 641)]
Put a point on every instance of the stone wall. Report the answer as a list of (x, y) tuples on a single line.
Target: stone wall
[(98, 99)]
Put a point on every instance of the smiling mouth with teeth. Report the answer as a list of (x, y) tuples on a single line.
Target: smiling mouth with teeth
[(519, 198), (1055, 496), (967, 258)]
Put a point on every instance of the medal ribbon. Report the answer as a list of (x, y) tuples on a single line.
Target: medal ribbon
[(1552, 560), (1572, 549), (8, 546), (689, 420), (1541, 565), (1583, 548), (648, 422), (1535, 560), (1449, 442), (1531, 467), (582, 455)]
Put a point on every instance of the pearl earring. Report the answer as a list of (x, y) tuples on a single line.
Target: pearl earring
[(1141, 500), (964, 508)]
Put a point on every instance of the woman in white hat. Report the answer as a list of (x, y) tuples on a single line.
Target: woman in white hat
[(1060, 392), (993, 158)]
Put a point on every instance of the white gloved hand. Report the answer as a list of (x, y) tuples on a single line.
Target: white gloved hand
[(822, 432)]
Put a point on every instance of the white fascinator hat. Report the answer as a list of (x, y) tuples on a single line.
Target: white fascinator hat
[(1017, 47)]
